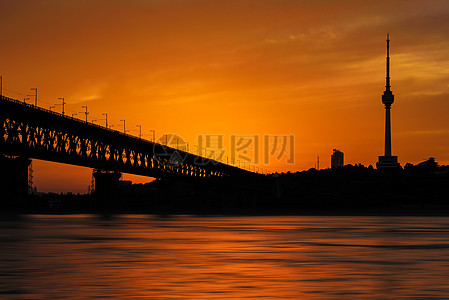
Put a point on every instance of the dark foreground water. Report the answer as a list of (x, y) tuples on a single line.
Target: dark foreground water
[(147, 257)]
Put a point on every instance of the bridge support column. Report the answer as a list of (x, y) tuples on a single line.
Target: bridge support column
[(13, 181), (106, 189)]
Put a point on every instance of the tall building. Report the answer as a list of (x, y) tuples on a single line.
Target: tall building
[(337, 159), (388, 161)]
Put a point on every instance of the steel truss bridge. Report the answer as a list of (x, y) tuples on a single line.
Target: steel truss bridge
[(33, 132)]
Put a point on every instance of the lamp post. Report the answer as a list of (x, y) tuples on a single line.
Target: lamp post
[(154, 135), (63, 103), (124, 128), (35, 96), (106, 119), (52, 106), (166, 139), (73, 115), (86, 113), (140, 131)]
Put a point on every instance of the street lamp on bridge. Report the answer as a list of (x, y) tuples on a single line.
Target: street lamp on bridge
[(35, 95), (85, 112), (63, 103), (140, 131), (106, 119), (124, 128)]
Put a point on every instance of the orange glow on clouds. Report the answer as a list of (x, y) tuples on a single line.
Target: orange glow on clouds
[(314, 69)]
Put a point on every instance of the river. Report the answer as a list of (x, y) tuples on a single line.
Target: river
[(197, 257)]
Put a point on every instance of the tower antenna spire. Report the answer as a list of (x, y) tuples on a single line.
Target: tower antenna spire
[(388, 64)]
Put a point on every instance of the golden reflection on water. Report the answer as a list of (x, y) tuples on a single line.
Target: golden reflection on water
[(187, 257)]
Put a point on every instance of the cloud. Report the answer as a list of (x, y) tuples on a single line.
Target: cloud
[(91, 93), (425, 132)]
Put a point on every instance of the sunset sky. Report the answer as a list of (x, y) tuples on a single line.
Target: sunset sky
[(312, 69)]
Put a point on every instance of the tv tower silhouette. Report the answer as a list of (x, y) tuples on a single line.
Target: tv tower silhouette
[(388, 161)]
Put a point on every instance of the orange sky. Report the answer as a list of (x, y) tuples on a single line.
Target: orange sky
[(313, 69)]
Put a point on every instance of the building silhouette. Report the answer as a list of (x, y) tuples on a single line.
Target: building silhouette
[(337, 159), (387, 161)]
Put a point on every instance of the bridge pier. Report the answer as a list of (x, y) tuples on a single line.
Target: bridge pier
[(13, 181), (106, 189)]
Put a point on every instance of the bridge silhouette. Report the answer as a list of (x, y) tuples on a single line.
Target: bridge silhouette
[(30, 132)]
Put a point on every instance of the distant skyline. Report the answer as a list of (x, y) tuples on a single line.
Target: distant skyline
[(312, 69)]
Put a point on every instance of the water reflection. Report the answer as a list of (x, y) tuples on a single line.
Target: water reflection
[(127, 257)]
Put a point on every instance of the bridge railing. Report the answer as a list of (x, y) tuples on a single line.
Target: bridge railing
[(58, 114)]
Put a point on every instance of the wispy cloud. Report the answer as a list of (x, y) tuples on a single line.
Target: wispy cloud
[(426, 132), (91, 93)]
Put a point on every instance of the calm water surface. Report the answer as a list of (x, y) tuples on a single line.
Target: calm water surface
[(188, 257)]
